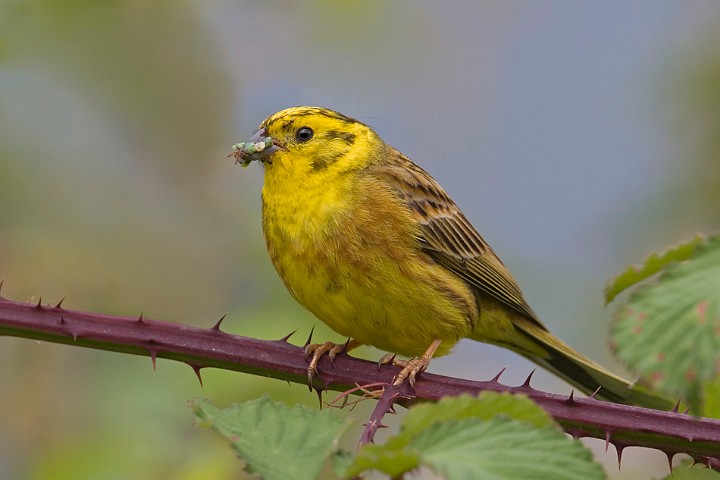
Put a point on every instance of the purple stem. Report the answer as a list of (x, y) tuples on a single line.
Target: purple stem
[(670, 432)]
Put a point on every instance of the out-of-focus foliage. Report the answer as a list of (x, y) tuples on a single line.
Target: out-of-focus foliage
[(490, 436), (145, 64), (275, 441), (667, 330), (689, 471), (114, 117), (649, 267)]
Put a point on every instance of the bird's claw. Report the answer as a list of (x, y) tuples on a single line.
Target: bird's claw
[(387, 359), (410, 368), (316, 351)]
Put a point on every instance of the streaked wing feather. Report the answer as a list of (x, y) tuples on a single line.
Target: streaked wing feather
[(447, 235)]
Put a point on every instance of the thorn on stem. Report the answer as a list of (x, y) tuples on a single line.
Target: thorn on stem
[(39, 304), (196, 368), (670, 459), (571, 399), (595, 393), (2, 281), (140, 320), (319, 395), (216, 327), (607, 440), (527, 380), (58, 305), (287, 337), (62, 321), (619, 449), (153, 357), (676, 408), (309, 339), (496, 378)]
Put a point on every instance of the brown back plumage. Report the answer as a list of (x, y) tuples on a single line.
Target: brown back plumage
[(449, 238)]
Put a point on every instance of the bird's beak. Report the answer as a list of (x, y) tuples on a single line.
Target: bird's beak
[(259, 148)]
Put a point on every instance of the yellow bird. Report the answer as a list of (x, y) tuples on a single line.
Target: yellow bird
[(371, 244)]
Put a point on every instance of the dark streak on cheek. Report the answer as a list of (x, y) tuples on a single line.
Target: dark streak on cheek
[(324, 161), (348, 138)]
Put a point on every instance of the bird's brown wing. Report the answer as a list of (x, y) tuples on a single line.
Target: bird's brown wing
[(446, 235)]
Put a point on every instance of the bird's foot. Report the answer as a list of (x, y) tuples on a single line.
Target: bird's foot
[(413, 367), (315, 351)]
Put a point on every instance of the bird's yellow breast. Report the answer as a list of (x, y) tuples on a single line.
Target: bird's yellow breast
[(347, 249)]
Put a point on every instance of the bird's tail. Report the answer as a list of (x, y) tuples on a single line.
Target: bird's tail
[(580, 371)]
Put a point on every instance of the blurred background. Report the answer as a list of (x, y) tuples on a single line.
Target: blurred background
[(577, 137)]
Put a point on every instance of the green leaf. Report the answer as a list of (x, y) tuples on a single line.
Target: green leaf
[(504, 448), (494, 436), (652, 265), (390, 458), (695, 472), (276, 441), (669, 331), (500, 448), (484, 407)]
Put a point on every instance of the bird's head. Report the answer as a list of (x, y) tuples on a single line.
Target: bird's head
[(306, 140)]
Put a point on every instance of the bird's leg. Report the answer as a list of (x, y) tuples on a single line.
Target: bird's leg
[(413, 367), (316, 350)]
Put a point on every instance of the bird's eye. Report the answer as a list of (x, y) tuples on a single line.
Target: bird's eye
[(304, 134)]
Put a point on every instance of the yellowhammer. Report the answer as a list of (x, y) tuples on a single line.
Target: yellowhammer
[(371, 244)]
